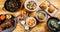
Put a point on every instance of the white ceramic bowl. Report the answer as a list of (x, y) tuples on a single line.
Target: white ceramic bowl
[(45, 18), (28, 20), (33, 1)]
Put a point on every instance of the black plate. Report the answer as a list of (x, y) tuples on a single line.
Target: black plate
[(12, 5), (50, 26), (11, 28), (1, 21)]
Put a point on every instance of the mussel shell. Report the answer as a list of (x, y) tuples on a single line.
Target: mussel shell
[(16, 5)]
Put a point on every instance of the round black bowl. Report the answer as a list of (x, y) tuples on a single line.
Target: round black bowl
[(50, 26), (12, 5)]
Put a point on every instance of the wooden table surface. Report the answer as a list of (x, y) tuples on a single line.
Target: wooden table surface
[(41, 27)]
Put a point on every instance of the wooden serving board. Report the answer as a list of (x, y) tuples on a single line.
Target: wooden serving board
[(41, 27)]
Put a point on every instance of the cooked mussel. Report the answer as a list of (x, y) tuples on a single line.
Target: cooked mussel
[(12, 5)]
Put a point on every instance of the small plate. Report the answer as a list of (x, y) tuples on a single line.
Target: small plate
[(44, 5), (21, 20), (53, 13), (11, 5)]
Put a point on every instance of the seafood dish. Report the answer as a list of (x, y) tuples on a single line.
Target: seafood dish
[(7, 22), (41, 16), (53, 25), (31, 5), (12, 5), (30, 21)]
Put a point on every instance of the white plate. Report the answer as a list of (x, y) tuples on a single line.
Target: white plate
[(28, 20), (33, 1), (51, 14)]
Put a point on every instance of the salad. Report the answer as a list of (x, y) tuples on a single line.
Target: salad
[(31, 5), (41, 16)]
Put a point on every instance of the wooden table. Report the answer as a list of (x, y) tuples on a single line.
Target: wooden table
[(41, 27)]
